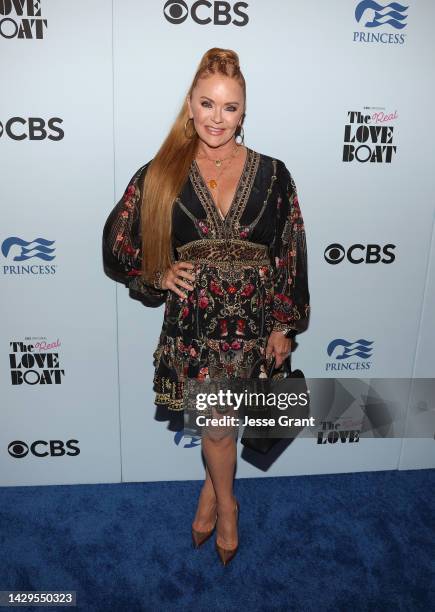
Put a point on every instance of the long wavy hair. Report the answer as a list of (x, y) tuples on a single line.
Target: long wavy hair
[(169, 169)]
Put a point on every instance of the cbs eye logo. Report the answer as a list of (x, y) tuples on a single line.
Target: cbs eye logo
[(32, 128), (42, 448), (360, 253), (176, 12), (204, 12), (18, 449)]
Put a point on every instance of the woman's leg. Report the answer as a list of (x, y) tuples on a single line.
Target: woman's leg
[(220, 454), (206, 510)]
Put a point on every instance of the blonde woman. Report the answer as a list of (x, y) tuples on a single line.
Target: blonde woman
[(213, 229)]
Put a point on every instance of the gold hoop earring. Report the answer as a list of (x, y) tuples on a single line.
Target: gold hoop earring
[(185, 129), (240, 133)]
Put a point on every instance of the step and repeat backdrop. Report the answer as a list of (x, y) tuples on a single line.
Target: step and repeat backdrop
[(342, 92)]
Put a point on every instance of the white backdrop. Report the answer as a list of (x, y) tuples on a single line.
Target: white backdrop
[(91, 93)]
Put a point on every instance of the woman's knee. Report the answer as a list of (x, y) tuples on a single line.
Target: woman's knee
[(220, 437)]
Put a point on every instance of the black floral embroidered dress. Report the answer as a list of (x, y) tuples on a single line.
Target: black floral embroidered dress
[(250, 267)]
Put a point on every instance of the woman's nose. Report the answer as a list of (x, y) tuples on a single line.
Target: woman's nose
[(217, 116)]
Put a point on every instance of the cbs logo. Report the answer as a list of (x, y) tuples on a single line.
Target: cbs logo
[(33, 128), (359, 253), (41, 448), (204, 12)]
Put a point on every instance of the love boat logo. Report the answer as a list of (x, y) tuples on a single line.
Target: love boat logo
[(369, 136), (22, 19), (35, 361), (204, 12)]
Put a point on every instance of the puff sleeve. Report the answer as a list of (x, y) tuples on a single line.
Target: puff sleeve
[(291, 302), (121, 244)]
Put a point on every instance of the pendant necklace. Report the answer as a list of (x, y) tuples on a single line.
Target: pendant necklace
[(213, 182)]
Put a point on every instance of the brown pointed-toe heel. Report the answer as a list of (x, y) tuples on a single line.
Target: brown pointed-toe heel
[(199, 537), (226, 554)]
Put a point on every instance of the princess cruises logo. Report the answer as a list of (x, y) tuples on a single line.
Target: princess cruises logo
[(186, 440), (380, 21), (16, 249), (347, 355)]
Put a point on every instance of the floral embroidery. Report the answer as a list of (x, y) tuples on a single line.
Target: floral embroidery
[(203, 300), (214, 287), (291, 299), (240, 331), (203, 372), (250, 276), (248, 290), (203, 227), (122, 244)]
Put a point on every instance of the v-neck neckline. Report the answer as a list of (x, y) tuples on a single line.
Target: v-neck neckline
[(222, 218)]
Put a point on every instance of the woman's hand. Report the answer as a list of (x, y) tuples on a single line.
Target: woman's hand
[(279, 346), (173, 277)]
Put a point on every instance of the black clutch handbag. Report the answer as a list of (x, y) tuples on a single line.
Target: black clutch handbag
[(266, 441)]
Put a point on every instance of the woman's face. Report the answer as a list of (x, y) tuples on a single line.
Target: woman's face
[(216, 107)]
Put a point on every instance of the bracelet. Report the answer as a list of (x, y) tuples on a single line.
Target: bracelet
[(157, 279), (282, 327)]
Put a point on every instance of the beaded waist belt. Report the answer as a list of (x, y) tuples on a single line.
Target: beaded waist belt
[(226, 254)]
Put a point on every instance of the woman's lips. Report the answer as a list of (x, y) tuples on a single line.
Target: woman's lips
[(214, 131)]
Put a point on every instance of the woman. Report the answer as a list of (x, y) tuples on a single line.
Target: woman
[(213, 229)]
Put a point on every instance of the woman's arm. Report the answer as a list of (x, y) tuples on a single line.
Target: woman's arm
[(122, 244), (291, 305)]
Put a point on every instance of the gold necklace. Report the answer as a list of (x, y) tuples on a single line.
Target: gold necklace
[(213, 182), (218, 162)]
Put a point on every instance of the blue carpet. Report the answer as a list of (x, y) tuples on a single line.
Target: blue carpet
[(342, 542)]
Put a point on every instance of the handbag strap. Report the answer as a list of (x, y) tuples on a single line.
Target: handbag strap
[(286, 363), (271, 367)]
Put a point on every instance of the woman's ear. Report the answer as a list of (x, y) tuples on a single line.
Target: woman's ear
[(189, 106)]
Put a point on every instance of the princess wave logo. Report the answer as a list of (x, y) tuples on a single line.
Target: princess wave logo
[(380, 24), (391, 14), (345, 352), (38, 248), (181, 435)]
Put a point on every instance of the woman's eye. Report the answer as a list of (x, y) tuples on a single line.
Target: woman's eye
[(206, 104)]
